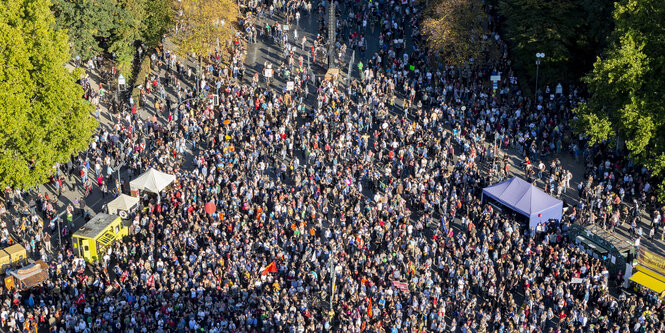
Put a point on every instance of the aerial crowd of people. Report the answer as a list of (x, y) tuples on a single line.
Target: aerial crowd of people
[(345, 207)]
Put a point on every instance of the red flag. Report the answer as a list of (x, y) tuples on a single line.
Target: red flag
[(124, 276), (81, 300), (369, 308), (271, 268), (151, 281)]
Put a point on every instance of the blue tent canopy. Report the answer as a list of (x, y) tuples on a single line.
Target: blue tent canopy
[(526, 199)]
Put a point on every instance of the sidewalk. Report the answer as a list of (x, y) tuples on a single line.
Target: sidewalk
[(73, 190)]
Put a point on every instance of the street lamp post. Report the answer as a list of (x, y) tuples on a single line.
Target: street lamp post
[(348, 74), (539, 56), (333, 278), (118, 167), (198, 77), (121, 87), (59, 232), (331, 34)]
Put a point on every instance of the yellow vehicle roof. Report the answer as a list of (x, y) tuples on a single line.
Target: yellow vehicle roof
[(4, 255), (15, 249), (648, 281), (96, 226)]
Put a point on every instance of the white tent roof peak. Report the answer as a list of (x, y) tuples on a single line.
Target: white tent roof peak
[(122, 202), (152, 181)]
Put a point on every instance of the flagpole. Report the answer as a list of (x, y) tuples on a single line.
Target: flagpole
[(334, 277), (332, 270), (332, 295)]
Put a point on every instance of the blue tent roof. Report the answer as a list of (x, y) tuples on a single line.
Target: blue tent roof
[(521, 196)]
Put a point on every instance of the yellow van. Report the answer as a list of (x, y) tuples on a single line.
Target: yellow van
[(92, 239)]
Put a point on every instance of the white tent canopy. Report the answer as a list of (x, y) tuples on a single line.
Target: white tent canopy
[(152, 181), (122, 203)]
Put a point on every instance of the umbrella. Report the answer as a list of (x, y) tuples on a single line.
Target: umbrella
[(226, 122), (210, 207)]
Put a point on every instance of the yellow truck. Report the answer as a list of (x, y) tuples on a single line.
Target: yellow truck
[(12, 256), (20, 271), (91, 240)]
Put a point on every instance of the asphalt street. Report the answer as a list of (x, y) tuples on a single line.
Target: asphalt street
[(265, 50)]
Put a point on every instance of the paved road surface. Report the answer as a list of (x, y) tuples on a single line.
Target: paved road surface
[(266, 50)]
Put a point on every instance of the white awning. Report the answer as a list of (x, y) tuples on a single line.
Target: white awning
[(152, 181), (122, 203)]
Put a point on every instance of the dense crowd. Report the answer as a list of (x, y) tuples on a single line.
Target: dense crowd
[(335, 182)]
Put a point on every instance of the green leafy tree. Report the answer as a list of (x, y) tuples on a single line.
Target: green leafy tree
[(627, 85), (571, 33), (87, 22), (44, 119), (591, 34), (547, 26), (158, 22), (113, 25), (206, 24), (456, 28), (128, 27)]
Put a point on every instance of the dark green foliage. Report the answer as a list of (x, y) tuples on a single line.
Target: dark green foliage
[(158, 21), (86, 22), (115, 26), (571, 33), (627, 85)]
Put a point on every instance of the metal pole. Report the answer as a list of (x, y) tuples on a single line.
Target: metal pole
[(333, 276), (331, 34), (496, 150), (119, 181), (348, 74), (198, 77), (535, 93), (59, 232), (539, 56)]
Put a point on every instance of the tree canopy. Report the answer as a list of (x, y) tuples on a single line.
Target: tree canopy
[(127, 29), (534, 26), (115, 26), (456, 28), (627, 86), (158, 20), (207, 25), (43, 115), (86, 22), (571, 33)]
